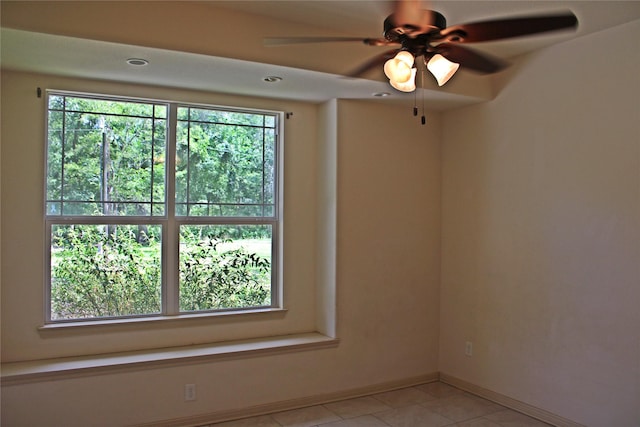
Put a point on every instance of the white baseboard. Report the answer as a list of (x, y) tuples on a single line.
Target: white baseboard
[(510, 403), (268, 408)]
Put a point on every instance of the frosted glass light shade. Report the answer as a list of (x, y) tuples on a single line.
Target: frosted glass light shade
[(441, 68), (398, 69), (408, 86)]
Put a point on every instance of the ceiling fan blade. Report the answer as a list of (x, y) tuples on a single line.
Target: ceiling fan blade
[(470, 59), (281, 41), (374, 62), (507, 28)]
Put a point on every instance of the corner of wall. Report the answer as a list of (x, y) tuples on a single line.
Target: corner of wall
[(326, 205)]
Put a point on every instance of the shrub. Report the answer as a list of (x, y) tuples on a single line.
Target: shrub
[(100, 271)]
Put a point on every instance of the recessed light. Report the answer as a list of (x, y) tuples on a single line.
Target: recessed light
[(272, 79), (137, 62), (381, 94)]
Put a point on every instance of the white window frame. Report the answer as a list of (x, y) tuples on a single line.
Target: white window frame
[(170, 222)]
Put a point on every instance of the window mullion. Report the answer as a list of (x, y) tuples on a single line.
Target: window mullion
[(171, 238), (152, 160), (264, 145), (188, 160)]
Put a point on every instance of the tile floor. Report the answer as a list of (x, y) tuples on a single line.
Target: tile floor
[(427, 405)]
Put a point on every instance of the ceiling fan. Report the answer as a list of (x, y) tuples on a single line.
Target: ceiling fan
[(422, 33)]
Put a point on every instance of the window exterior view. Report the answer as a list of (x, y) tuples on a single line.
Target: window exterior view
[(159, 208)]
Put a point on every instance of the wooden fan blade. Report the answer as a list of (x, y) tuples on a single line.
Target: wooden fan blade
[(282, 41), (507, 28), (467, 58), (374, 62)]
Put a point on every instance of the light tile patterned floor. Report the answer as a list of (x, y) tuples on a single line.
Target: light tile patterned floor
[(427, 405)]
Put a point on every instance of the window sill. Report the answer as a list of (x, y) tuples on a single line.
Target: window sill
[(160, 321), (71, 367)]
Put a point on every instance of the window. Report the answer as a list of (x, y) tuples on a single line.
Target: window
[(159, 208)]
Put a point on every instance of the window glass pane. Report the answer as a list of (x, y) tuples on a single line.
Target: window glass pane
[(225, 117), (107, 106), (105, 157), (56, 102), (225, 266), (160, 111), (81, 208), (105, 270), (158, 167), (269, 211), (183, 113), (181, 209), (224, 210), (182, 163), (81, 166), (224, 169), (158, 209), (53, 208), (270, 121), (269, 184), (54, 157)]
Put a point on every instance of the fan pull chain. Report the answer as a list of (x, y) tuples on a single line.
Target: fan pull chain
[(423, 119)]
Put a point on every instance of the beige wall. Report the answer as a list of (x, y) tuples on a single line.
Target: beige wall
[(541, 233), (386, 268), (388, 235), (23, 270)]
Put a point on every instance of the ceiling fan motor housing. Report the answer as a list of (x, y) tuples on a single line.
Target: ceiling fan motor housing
[(431, 21)]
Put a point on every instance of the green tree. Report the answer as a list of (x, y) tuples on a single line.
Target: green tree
[(224, 163), (105, 157)]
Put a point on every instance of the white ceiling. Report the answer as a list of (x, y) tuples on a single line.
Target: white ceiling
[(57, 54)]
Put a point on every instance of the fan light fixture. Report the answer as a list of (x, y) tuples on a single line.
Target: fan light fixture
[(402, 73), (409, 85), (441, 68)]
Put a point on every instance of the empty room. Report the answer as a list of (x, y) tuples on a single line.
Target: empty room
[(320, 213)]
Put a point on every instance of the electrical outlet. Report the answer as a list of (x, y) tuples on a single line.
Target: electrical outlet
[(468, 348), (189, 392)]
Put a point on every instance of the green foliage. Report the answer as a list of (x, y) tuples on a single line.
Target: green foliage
[(224, 164), (212, 279), (105, 157), (100, 271), (110, 271), (108, 158)]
